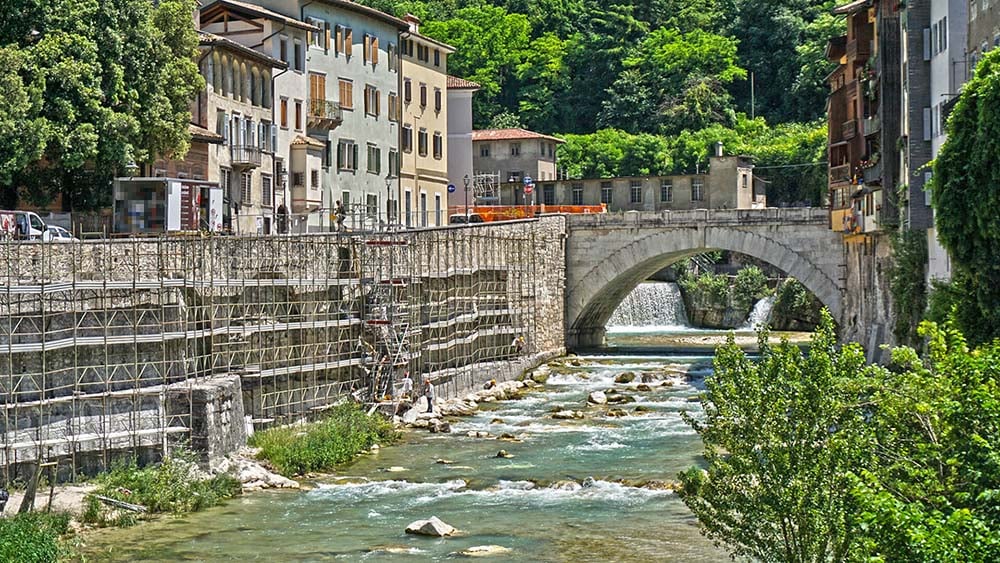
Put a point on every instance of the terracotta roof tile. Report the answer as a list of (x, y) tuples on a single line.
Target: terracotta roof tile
[(510, 135), (203, 134), (456, 83), (263, 12), (307, 141)]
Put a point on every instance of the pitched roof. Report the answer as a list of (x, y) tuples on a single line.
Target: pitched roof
[(510, 135), (206, 39), (201, 134), (456, 83), (301, 140), (370, 12), (851, 7), (258, 11)]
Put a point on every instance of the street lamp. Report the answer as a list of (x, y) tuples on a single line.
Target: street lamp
[(466, 181)]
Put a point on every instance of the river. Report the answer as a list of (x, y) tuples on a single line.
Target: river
[(560, 497)]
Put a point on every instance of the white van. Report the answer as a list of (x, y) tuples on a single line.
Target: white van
[(21, 225)]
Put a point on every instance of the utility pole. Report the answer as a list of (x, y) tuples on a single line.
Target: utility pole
[(752, 96)]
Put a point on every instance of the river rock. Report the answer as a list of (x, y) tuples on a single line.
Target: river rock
[(648, 377), (503, 454), (508, 437), (252, 475), (616, 413), (567, 415), (496, 421), (575, 363), (597, 398), (627, 377), (441, 427), (540, 377), (421, 423), (641, 409), (441, 461), (433, 526), (484, 551), (619, 399), (642, 387), (667, 384)]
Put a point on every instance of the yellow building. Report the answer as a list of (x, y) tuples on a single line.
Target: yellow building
[(423, 116)]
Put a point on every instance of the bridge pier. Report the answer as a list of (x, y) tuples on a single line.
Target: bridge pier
[(582, 338)]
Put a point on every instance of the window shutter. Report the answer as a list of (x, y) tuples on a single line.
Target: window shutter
[(274, 138), (309, 37), (339, 42), (354, 159), (375, 50), (927, 43), (378, 103), (348, 42), (340, 155), (327, 44), (927, 124), (225, 128), (367, 97)]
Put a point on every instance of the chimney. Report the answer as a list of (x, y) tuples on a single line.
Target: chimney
[(414, 22), (719, 152)]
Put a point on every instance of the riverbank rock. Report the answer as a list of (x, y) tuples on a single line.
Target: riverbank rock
[(433, 527), (540, 377), (616, 398), (497, 421), (641, 409), (441, 427), (479, 434), (567, 415), (484, 551), (252, 475), (597, 398), (616, 413), (643, 388), (504, 455), (627, 377)]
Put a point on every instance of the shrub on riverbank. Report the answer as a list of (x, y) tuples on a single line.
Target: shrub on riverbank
[(33, 537), (795, 307), (176, 486), (323, 445)]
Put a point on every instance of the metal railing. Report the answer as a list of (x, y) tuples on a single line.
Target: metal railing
[(840, 173), (849, 129), (245, 155), (872, 125), (325, 112)]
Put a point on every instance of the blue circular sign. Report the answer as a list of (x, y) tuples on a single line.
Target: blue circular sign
[(528, 180), (451, 188)]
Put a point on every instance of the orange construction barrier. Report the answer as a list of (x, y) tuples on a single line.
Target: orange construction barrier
[(492, 213)]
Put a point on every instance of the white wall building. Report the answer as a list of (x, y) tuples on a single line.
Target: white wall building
[(460, 92)]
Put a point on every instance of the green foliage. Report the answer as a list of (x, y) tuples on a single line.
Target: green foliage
[(321, 446), (707, 287), (749, 286), (93, 85), (965, 199), (908, 283), (793, 301), (782, 436), (942, 301), (33, 537), (610, 153), (173, 486)]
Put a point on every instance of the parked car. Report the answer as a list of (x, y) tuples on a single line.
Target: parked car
[(55, 233), (460, 219), (21, 225)]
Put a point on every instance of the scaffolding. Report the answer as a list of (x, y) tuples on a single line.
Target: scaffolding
[(103, 341)]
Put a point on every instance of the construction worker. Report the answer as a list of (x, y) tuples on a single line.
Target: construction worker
[(429, 393), (340, 214), (406, 387)]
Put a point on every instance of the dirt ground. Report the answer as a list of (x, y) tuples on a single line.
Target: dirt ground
[(67, 498)]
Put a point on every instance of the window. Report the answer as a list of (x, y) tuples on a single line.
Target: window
[(408, 208), (393, 162), (391, 55), (407, 138), (666, 191), (298, 179), (407, 91), (437, 57), (299, 61), (371, 49), (246, 182), (328, 154), (635, 191), (549, 194), (422, 142), (314, 179), (393, 107), (515, 149), (606, 191), (226, 182), (372, 101), (438, 145), (697, 190), (374, 159), (347, 155), (438, 218), (316, 38), (266, 191), (577, 194), (344, 41), (484, 151), (515, 176), (284, 112), (346, 93), (423, 95), (298, 114), (943, 34), (283, 49), (423, 209), (552, 150), (438, 104)]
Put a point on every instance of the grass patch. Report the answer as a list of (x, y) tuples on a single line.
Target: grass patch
[(175, 486), (323, 445), (33, 537)]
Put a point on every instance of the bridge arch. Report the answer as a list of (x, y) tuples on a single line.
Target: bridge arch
[(604, 265)]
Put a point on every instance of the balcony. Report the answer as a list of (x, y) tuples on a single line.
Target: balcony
[(325, 114), (858, 49), (849, 129), (873, 125), (873, 174), (242, 155), (840, 173)]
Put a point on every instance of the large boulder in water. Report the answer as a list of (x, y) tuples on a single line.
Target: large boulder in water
[(540, 377), (567, 415), (484, 551), (627, 377), (597, 398), (433, 526)]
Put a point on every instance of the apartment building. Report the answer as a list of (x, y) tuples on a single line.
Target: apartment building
[(298, 158), (460, 93), (516, 154), (423, 169), (352, 64), (983, 30), (728, 184)]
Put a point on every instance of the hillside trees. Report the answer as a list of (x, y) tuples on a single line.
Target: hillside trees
[(95, 86)]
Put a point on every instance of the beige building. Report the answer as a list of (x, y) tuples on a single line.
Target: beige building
[(515, 154), (424, 122), (729, 184)]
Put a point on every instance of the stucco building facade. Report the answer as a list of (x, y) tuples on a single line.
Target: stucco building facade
[(460, 93)]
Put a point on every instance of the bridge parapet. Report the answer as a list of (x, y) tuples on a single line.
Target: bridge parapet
[(732, 217)]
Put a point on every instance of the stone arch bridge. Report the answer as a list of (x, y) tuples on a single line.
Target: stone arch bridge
[(608, 255)]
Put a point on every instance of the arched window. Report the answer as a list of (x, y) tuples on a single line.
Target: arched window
[(237, 81), (245, 73), (227, 84), (265, 89), (218, 71), (254, 80)]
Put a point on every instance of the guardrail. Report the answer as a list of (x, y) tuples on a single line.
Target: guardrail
[(782, 215)]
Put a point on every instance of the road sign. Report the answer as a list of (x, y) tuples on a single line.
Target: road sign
[(528, 181), (529, 188), (451, 188)]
